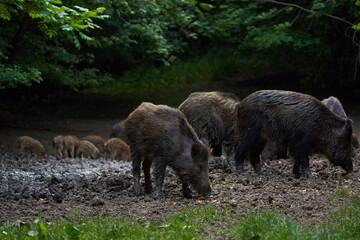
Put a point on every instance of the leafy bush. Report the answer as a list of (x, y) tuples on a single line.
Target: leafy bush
[(14, 76)]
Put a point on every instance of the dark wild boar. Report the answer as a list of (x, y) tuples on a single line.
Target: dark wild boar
[(291, 119), (58, 145), (86, 149), (69, 146), (277, 151), (97, 141), (161, 135), (118, 149), (31, 145), (118, 131), (213, 117)]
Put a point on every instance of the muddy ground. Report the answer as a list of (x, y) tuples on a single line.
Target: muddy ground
[(50, 188)]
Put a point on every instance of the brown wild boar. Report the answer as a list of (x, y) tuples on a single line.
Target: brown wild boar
[(161, 135), (31, 145), (69, 146), (213, 117), (118, 131), (97, 141), (86, 149), (291, 119), (58, 145), (118, 149)]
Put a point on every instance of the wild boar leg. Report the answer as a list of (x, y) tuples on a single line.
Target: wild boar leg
[(136, 173), (255, 157), (146, 168), (229, 149), (159, 170), (300, 152), (185, 189)]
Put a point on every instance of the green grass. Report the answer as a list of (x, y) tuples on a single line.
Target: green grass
[(197, 223), (183, 225)]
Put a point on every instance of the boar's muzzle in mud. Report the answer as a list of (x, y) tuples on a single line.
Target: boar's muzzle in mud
[(341, 146), (200, 154)]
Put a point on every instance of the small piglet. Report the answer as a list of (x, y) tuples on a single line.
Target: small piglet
[(86, 149), (31, 145), (97, 141), (118, 149)]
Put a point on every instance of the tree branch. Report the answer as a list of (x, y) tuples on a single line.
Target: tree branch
[(306, 10)]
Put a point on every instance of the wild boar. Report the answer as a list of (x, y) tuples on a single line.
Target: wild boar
[(69, 146), (298, 121), (161, 135), (58, 145), (86, 149), (97, 141), (213, 117), (30, 144), (118, 131), (277, 151), (117, 149)]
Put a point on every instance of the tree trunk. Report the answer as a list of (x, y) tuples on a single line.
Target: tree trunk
[(17, 40)]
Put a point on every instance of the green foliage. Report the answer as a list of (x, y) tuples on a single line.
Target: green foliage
[(14, 76), (52, 16), (315, 33), (316, 39)]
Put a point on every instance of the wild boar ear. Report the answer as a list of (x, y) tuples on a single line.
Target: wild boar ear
[(195, 151), (199, 152), (345, 129)]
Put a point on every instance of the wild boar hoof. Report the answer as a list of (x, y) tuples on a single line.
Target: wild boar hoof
[(308, 175), (156, 195), (137, 191), (188, 195)]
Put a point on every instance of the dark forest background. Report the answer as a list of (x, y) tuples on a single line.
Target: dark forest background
[(129, 47)]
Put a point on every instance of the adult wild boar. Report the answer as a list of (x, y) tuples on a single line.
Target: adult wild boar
[(213, 117), (291, 119), (118, 131), (277, 151), (161, 135)]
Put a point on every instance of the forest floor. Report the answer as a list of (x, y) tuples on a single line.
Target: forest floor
[(48, 188)]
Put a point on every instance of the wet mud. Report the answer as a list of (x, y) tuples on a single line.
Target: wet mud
[(49, 188)]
